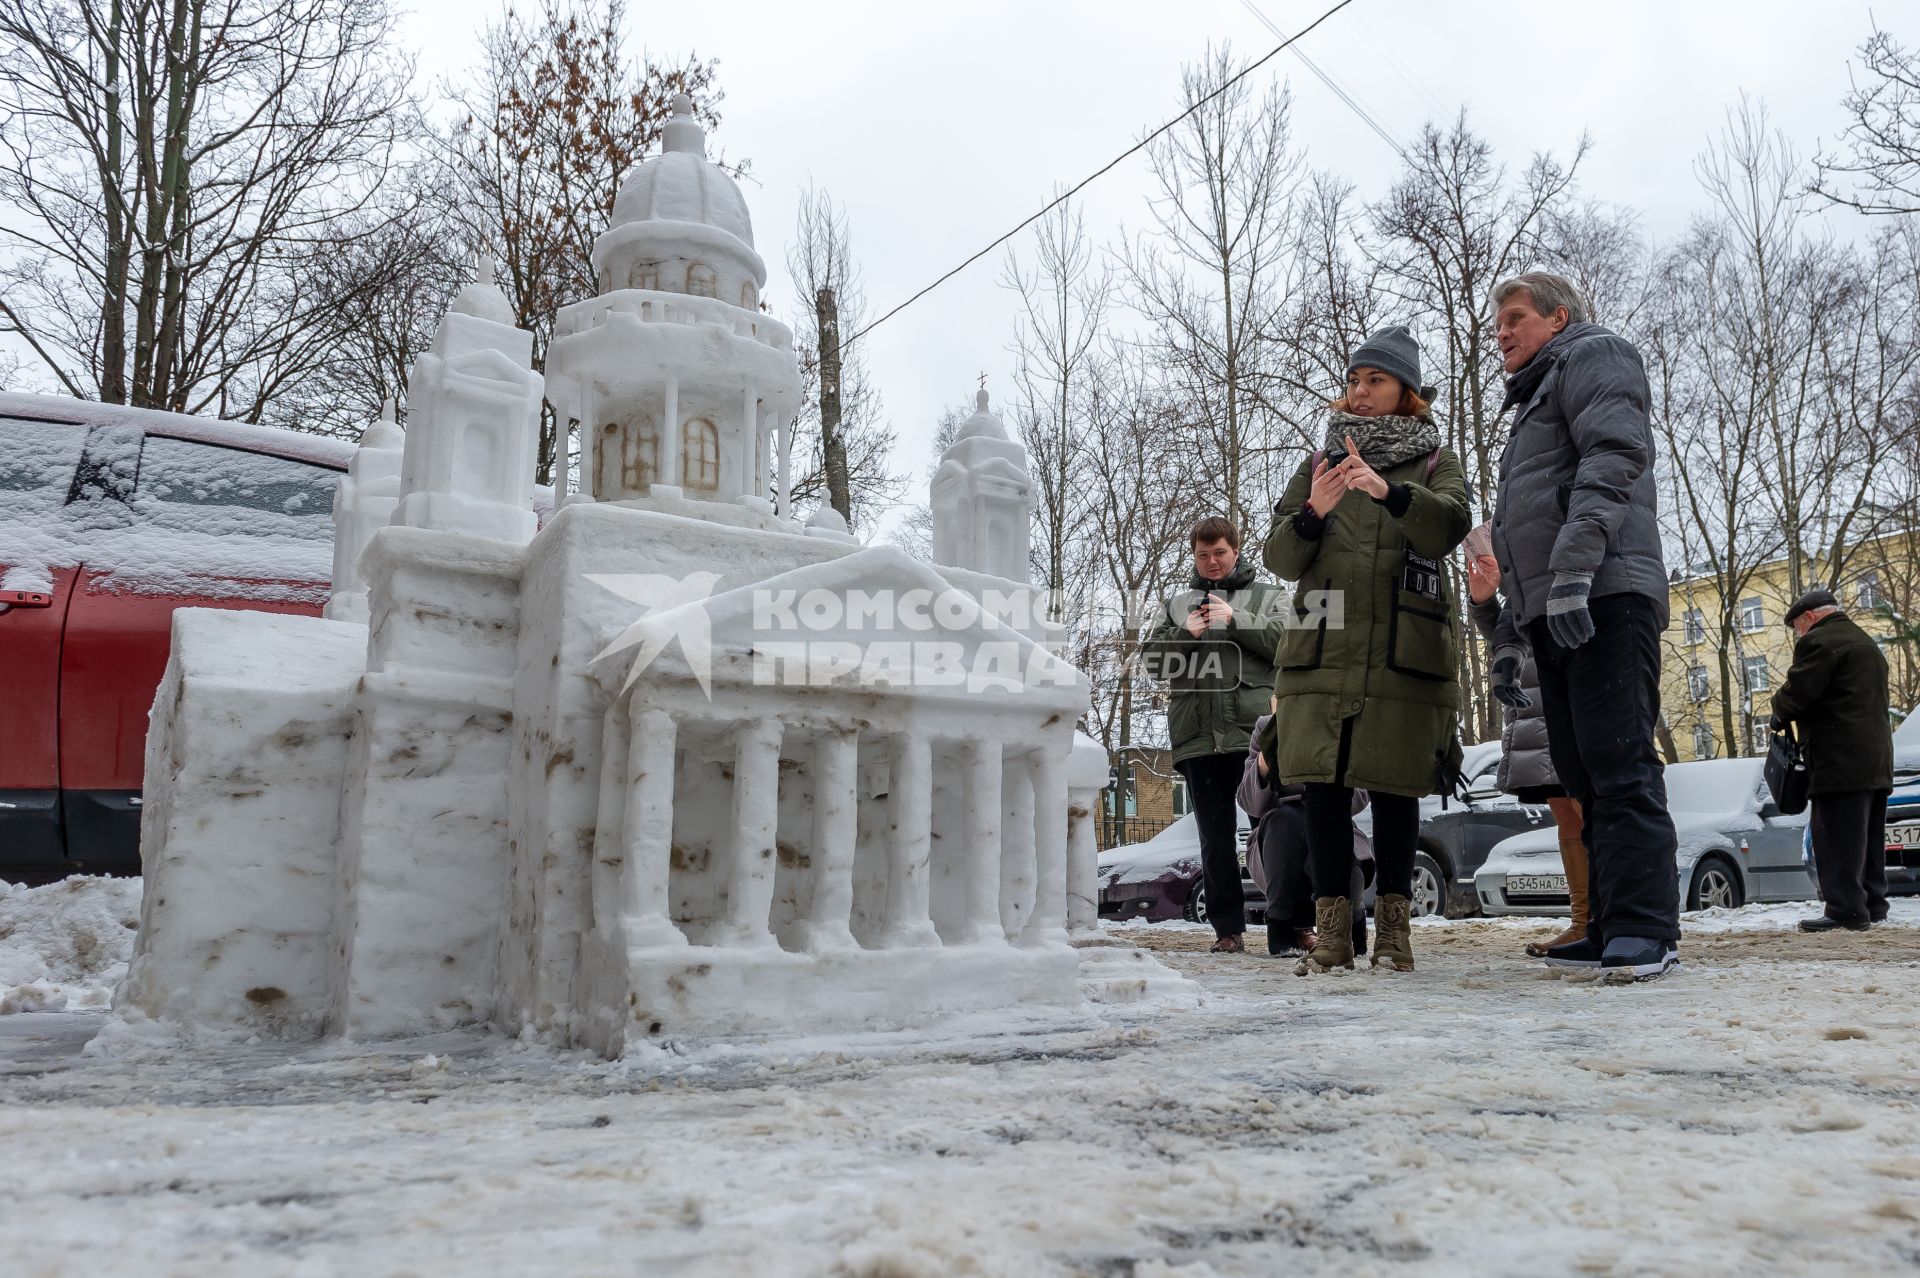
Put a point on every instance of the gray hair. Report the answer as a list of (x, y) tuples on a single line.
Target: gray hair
[(1548, 294)]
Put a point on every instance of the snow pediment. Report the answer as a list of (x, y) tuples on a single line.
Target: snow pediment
[(489, 365), (874, 621)]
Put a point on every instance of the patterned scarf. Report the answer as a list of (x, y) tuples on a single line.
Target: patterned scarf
[(1384, 442)]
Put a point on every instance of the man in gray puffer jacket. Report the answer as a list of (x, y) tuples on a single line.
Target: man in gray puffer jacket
[(1576, 533)]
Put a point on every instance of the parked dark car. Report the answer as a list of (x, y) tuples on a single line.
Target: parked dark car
[(1160, 879)]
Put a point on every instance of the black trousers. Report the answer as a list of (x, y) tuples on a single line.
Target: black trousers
[(1290, 888), (1211, 781), (1601, 701), (1396, 836), (1850, 854)]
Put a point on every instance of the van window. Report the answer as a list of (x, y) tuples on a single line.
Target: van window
[(37, 460), (183, 472)]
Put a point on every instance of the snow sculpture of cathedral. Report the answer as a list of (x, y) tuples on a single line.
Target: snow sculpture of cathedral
[(672, 764)]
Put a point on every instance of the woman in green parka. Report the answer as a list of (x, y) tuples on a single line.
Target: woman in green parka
[(1366, 694)]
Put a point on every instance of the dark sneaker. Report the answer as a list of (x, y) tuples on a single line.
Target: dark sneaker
[(1826, 923), (1638, 958), (1580, 953)]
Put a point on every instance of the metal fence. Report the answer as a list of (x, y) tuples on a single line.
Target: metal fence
[(1112, 831)]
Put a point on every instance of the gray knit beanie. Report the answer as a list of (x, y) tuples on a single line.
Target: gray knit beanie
[(1394, 352)]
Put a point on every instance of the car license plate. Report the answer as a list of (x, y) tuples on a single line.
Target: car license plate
[(1536, 883), (1903, 836)]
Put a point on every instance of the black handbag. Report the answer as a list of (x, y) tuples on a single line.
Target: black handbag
[(1787, 776)]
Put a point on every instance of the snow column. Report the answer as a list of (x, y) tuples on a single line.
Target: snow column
[(756, 800), (1049, 920), (647, 830), (835, 829), (910, 845), (983, 824), (1016, 846)]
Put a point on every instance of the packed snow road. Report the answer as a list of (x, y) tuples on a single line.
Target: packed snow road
[(1755, 1111)]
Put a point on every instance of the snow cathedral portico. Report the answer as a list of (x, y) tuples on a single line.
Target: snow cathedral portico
[(676, 765)]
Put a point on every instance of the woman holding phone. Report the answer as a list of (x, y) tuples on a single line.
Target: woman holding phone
[(1366, 686)]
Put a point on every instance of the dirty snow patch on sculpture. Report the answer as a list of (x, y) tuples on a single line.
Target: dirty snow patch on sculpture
[(673, 764)]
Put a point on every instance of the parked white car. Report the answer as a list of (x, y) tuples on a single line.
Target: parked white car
[(1735, 847)]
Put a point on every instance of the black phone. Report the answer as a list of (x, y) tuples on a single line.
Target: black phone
[(1334, 456)]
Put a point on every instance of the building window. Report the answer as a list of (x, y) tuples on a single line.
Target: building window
[(1123, 796), (1758, 733), (640, 460), (1180, 807), (1696, 626), (700, 454), (1752, 615), (701, 281), (1702, 741), (644, 275), (749, 297), (1699, 686), (1869, 591), (1754, 675)]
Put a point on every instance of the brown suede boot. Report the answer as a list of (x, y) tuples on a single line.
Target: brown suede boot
[(1393, 932), (1333, 937), (1573, 856)]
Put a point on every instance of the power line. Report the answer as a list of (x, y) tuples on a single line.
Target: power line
[(1338, 91), (1100, 172)]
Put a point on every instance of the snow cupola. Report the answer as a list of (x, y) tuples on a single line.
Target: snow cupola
[(363, 503), (677, 378), (473, 419), (983, 499)]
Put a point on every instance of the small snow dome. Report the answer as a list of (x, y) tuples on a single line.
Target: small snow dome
[(483, 298), (680, 185), (983, 424)]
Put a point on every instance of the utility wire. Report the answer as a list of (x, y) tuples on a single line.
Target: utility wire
[(1339, 92), (1101, 171)]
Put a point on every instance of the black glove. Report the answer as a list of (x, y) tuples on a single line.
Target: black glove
[(1568, 620), (1506, 678)]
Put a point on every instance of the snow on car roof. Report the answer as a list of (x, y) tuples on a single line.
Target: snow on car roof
[(1714, 786), (317, 450)]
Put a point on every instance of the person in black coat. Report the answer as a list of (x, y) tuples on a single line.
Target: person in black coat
[(1835, 695)]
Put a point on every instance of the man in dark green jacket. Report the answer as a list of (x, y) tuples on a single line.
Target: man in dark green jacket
[(1213, 646), (1836, 695)]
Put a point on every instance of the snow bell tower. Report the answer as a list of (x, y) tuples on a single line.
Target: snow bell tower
[(677, 378), (983, 499)]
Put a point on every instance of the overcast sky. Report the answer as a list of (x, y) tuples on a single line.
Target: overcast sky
[(940, 126)]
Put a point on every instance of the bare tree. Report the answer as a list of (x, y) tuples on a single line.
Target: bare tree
[(555, 116), (1211, 279), (842, 443), (166, 160), (1881, 143), (1063, 306)]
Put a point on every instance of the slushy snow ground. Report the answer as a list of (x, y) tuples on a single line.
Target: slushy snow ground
[(1753, 1112)]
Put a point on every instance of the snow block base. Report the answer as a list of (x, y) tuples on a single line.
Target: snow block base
[(720, 992), (248, 745)]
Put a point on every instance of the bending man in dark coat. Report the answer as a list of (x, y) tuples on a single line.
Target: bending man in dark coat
[(1576, 533), (1836, 695)]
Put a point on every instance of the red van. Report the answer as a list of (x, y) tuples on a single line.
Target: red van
[(111, 518)]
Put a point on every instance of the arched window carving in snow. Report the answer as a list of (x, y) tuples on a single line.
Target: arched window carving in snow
[(700, 453), (749, 297), (640, 461), (701, 281), (643, 275)]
